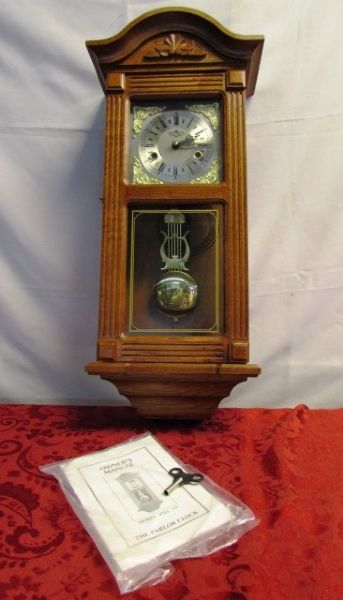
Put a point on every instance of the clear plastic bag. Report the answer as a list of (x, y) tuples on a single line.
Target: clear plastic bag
[(119, 496)]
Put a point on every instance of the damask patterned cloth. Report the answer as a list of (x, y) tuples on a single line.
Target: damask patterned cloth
[(286, 465)]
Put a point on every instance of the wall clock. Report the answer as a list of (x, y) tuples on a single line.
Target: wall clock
[(173, 305)]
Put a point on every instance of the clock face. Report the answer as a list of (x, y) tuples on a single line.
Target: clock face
[(176, 143)]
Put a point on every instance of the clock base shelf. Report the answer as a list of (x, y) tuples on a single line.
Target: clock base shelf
[(172, 390)]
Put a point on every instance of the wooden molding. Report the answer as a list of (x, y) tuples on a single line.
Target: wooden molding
[(240, 351), (237, 281), (236, 79), (173, 390), (176, 83), (181, 36), (116, 81), (110, 239)]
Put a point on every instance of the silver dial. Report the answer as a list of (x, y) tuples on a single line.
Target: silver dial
[(176, 145)]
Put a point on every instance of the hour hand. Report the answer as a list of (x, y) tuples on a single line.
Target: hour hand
[(188, 142), (185, 143)]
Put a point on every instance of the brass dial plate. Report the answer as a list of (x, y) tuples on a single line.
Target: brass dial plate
[(175, 142)]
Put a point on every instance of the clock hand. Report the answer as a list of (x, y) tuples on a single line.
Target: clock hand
[(182, 143), (188, 142)]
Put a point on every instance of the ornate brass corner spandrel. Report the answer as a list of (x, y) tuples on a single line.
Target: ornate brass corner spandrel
[(141, 113), (140, 176), (209, 110), (212, 176)]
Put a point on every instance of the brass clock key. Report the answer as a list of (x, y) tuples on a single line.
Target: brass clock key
[(180, 478)]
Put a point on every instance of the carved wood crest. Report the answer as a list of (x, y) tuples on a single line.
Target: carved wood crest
[(174, 46)]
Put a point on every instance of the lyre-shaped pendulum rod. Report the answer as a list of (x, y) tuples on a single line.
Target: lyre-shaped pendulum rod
[(176, 292)]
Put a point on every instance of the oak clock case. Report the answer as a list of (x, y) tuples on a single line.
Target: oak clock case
[(173, 304)]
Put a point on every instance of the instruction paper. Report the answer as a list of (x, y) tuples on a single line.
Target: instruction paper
[(120, 491)]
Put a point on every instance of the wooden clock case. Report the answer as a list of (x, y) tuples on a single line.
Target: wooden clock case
[(177, 53)]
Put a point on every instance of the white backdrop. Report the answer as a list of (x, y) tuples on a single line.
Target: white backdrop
[(51, 151)]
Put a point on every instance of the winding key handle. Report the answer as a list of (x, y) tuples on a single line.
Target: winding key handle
[(182, 478)]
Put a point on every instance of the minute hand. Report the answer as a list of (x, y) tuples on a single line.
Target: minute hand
[(187, 143)]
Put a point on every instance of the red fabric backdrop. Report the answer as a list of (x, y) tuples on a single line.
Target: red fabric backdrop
[(286, 465)]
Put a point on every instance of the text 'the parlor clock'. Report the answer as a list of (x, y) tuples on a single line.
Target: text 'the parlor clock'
[(173, 314)]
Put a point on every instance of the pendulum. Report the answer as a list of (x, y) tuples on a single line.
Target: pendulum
[(176, 291)]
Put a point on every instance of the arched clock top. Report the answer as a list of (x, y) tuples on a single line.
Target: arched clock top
[(181, 38)]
